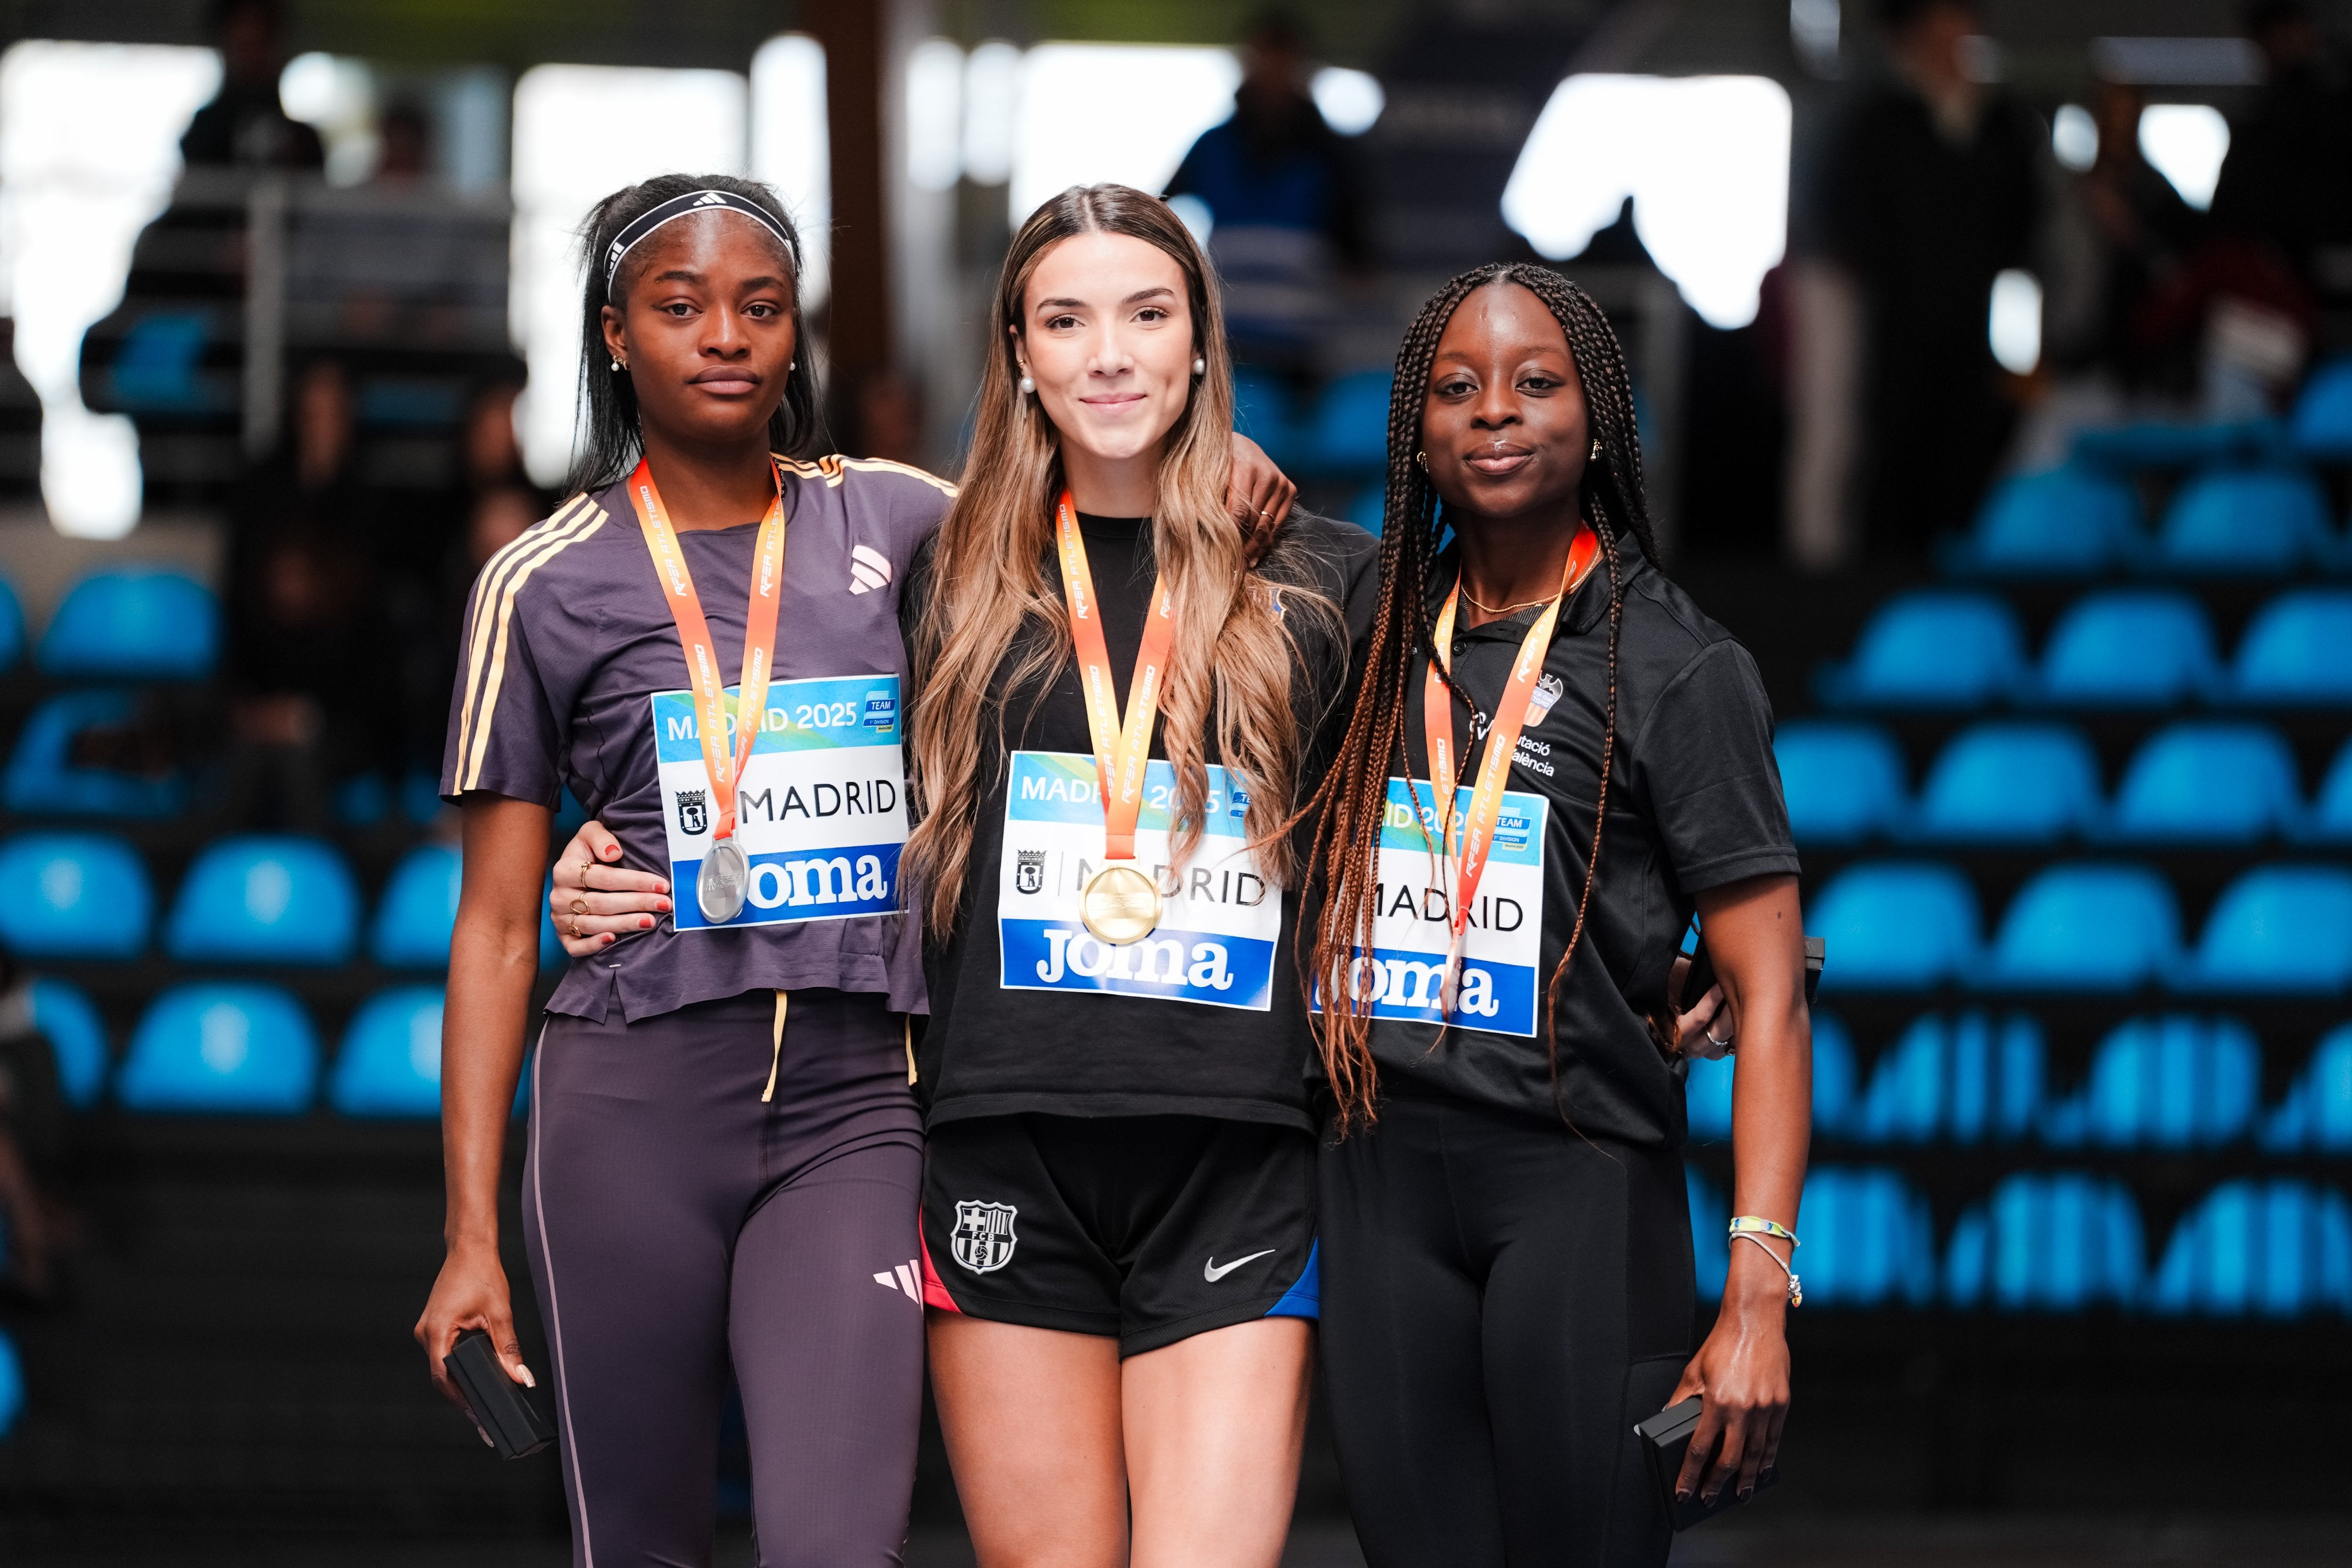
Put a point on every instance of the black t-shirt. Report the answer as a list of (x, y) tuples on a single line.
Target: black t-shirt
[(1694, 803), (1029, 1013)]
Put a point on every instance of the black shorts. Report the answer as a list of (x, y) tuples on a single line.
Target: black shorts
[(1151, 1228)]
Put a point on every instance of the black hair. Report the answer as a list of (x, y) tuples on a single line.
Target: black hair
[(1349, 807), (1895, 15), (610, 438)]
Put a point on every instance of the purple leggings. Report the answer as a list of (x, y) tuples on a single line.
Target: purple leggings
[(676, 1221)]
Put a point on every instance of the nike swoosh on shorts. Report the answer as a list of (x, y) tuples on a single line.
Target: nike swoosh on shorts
[(1210, 1272)]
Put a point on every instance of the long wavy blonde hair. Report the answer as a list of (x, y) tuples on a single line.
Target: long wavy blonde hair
[(994, 577)]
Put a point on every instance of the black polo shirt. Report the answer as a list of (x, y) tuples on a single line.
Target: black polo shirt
[(1694, 803)]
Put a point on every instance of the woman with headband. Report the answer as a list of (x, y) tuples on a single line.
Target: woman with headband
[(725, 1154), (1553, 758)]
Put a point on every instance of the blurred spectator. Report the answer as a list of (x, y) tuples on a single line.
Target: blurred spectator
[(1286, 199), (312, 654), (33, 1129), (2287, 179), (2131, 233), (403, 144), (1928, 192), (247, 126)]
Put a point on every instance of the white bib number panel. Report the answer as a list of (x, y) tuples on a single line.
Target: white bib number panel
[(1217, 933), (1413, 894), (821, 809)]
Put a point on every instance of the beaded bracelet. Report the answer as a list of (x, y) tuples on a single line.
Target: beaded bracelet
[(1755, 1227)]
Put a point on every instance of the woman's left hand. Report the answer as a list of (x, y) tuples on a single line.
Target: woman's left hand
[(1742, 1374), (1259, 494)]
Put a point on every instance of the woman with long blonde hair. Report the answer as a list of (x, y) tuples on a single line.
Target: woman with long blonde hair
[(1118, 1225)]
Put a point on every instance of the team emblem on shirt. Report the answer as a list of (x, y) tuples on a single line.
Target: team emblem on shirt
[(983, 1240), (868, 569), (693, 812), (1548, 689), (1029, 875)]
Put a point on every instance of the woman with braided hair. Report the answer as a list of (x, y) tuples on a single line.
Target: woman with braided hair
[(1542, 776)]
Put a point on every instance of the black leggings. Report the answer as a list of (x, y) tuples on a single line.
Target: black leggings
[(1502, 1300)]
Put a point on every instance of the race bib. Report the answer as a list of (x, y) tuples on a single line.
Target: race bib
[(1217, 932), (1406, 967), (822, 805)]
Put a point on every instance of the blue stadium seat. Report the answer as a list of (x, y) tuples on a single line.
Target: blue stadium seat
[(1348, 431), (227, 1048), (391, 1062), (2281, 928), (2298, 651), (421, 803), (43, 780), (419, 911), (136, 623), (2330, 819), (12, 1383), (2128, 647), (12, 626), (2272, 1248), (265, 899), (2152, 443), (2059, 1241), (1966, 1079), (2322, 427), (1896, 925), (1842, 782), (2207, 783), (1263, 410), (73, 895), (1868, 1240), (2244, 520), (1707, 1096), (2170, 1082), (2074, 520), (1931, 648), (2318, 1111), (2009, 783), (2085, 928), (62, 1013), (1710, 1237)]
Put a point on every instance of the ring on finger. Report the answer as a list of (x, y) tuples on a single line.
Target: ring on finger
[(579, 906), (1718, 1044), (576, 928)]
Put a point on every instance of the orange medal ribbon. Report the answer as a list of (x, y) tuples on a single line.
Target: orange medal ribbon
[(1469, 841), (1121, 750), (724, 765)]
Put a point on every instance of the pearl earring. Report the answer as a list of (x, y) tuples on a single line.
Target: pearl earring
[(617, 365), (1027, 386), (1200, 366)]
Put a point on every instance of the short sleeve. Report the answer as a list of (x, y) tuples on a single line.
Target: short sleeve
[(1704, 763), (503, 736)]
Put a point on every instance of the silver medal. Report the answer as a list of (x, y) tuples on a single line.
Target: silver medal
[(725, 877)]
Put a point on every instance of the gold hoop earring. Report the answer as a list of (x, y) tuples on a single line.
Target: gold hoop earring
[(1422, 459), (1596, 449)]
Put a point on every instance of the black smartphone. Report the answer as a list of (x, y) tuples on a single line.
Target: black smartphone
[(502, 1407), (1665, 1439)]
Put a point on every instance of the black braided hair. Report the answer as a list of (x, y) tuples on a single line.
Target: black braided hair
[(1348, 805)]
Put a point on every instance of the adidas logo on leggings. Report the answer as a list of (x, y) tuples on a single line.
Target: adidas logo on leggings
[(902, 1277)]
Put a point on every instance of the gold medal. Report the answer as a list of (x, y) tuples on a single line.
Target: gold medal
[(1119, 905)]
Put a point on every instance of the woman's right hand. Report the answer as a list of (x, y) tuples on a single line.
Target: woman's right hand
[(470, 1293), (594, 902)]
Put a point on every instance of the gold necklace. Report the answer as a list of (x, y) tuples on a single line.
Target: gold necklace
[(1508, 609)]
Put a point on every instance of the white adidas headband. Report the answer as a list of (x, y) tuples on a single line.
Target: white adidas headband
[(645, 223)]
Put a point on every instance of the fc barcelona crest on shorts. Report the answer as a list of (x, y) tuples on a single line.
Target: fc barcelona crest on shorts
[(983, 1239), (693, 814), (1029, 875)]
